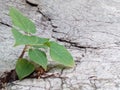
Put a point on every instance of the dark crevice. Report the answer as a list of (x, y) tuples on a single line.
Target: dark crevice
[(74, 44), (39, 11), (11, 76), (31, 4), (58, 32), (5, 24), (62, 71), (47, 18)]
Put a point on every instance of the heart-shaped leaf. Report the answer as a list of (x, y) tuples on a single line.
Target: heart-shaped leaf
[(38, 57), (22, 22), (24, 68), (60, 54), (27, 40)]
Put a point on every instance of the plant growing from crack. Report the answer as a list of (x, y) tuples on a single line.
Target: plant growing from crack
[(23, 30)]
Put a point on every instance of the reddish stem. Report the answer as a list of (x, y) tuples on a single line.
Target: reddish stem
[(23, 52)]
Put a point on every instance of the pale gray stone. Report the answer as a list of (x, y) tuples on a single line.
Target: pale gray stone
[(88, 28)]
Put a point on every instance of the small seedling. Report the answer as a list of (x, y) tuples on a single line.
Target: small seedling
[(23, 30)]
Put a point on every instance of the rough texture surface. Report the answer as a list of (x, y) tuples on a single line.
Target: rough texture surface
[(90, 29)]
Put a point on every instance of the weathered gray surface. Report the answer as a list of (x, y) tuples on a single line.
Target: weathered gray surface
[(90, 29)]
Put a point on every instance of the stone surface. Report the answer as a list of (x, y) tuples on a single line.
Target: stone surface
[(88, 28)]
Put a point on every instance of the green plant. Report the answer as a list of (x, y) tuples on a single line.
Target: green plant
[(23, 30)]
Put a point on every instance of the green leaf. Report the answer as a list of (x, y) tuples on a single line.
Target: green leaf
[(24, 68), (21, 39), (60, 54), (38, 57), (22, 22), (40, 46)]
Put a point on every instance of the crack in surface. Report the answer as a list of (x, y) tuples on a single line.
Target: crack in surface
[(74, 44), (5, 24), (32, 4), (45, 16)]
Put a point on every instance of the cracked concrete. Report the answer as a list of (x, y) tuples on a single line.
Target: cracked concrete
[(88, 28)]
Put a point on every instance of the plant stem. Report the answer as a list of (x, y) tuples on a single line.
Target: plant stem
[(23, 52)]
